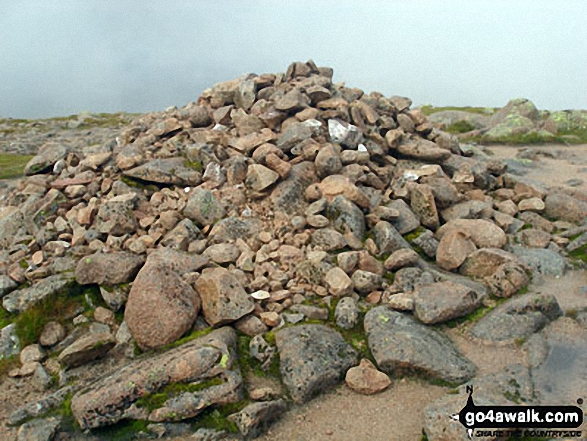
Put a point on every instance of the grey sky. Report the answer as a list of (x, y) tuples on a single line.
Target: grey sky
[(59, 57)]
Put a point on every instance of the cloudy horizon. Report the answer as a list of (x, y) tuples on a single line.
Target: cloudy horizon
[(64, 57)]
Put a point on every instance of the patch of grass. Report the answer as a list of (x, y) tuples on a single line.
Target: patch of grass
[(195, 165), (523, 290), (579, 254), (460, 127), (216, 417), (5, 318), (534, 138), (12, 166), (7, 364), (429, 110)]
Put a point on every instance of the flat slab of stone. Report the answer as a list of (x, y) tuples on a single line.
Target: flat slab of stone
[(443, 301), (517, 318), (166, 171), (19, 300), (312, 359), (113, 397), (86, 349), (543, 261), (400, 344), (108, 268)]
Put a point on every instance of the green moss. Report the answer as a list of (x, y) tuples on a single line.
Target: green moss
[(195, 165), (125, 430), (59, 307), (187, 338), (158, 399), (5, 318), (216, 417), (475, 316), (251, 366), (12, 166), (523, 290), (413, 235), (140, 184)]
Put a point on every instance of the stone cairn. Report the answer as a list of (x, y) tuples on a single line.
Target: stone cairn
[(315, 223)]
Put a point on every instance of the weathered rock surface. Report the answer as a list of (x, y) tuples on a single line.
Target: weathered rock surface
[(400, 344), (366, 379), (108, 268), (86, 349), (224, 299), (443, 301), (19, 300), (518, 318), (115, 396), (256, 417), (161, 307), (312, 358)]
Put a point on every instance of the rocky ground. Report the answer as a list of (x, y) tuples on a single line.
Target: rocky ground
[(207, 268)]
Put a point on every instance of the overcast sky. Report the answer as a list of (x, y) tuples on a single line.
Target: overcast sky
[(59, 57)]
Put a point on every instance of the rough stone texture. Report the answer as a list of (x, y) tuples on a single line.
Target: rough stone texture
[(563, 207), (224, 299), (203, 207), (312, 359), (338, 282), (161, 307), (507, 280), (9, 344), (111, 398), (6, 285), (43, 429), (422, 149), (52, 333), (21, 299), (260, 177), (366, 379), (483, 233), (400, 344), (44, 161), (518, 318), (423, 205), (86, 349), (407, 221), (400, 259), (116, 216), (443, 301), (486, 261), (346, 217), (346, 313), (256, 417), (166, 171), (453, 249), (232, 228), (366, 281), (543, 261), (108, 268), (387, 238)]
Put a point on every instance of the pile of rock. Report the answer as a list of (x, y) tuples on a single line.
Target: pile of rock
[(272, 201)]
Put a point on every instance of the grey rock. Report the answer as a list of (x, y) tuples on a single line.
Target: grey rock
[(172, 171), (43, 429), (44, 161), (346, 217), (41, 380), (113, 397), (18, 301), (289, 195), (312, 359), (293, 135), (365, 281), (9, 344), (86, 349), (256, 417), (328, 239), (203, 207), (407, 221), (399, 343), (116, 216), (11, 221), (40, 407), (346, 313), (387, 238), (328, 161), (517, 318), (443, 301), (108, 268), (427, 243), (182, 234), (543, 261), (260, 178), (312, 312), (6, 285), (115, 296), (422, 149), (232, 228)]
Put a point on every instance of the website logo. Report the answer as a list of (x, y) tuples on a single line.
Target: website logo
[(519, 421)]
